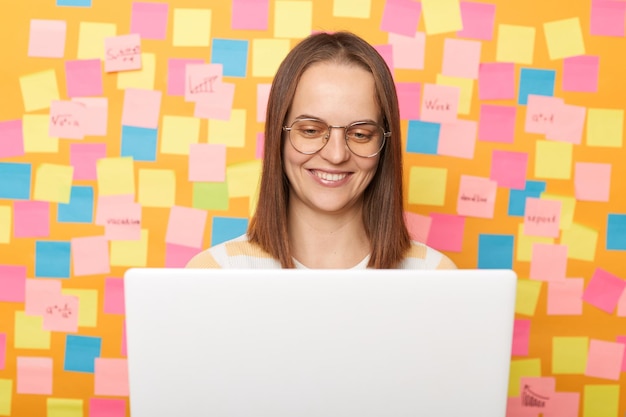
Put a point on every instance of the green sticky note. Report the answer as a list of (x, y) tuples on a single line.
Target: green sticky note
[(210, 195)]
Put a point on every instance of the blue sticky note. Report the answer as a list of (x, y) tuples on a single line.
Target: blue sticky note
[(15, 180), (423, 137), (74, 3), (52, 259), (226, 228), (139, 143), (495, 251), (616, 232), (80, 207), (232, 54), (517, 198), (81, 353), (537, 82)]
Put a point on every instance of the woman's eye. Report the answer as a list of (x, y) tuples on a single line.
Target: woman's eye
[(310, 132)]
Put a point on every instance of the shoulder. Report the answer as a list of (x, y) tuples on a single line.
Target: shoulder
[(420, 256), (235, 253)]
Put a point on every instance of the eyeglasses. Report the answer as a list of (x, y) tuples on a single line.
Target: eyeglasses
[(309, 136)]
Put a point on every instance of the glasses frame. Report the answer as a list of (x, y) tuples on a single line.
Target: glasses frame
[(345, 128)]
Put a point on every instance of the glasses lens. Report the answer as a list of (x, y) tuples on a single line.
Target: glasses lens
[(365, 139), (308, 136)]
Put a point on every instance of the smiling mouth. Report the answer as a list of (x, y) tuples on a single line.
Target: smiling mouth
[(327, 176)]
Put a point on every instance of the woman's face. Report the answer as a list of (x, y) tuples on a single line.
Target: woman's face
[(333, 179)]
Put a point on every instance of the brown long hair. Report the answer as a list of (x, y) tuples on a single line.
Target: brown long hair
[(382, 208)]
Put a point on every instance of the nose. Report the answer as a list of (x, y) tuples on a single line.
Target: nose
[(336, 150)]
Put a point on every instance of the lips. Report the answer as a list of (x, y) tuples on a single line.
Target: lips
[(329, 177)]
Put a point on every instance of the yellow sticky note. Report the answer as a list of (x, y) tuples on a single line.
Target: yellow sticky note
[(527, 296), (601, 400), (564, 38), (157, 187), (522, 368), (210, 196), (569, 355), (39, 89), (442, 16), (466, 86), (267, 54), (605, 127), (293, 19), (553, 159), (232, 132), (64, 407), (427, 185), (130, 252), (115, 176), (36, 129), (178, 133), (29, 332), (143, 78), (515, 44), (568, 206), (53, 183), (192, 27), (6, 394), (525, 244), (87, 306), (91, 38), (243, 178), (352, 8), (581, 242), (6, 224)]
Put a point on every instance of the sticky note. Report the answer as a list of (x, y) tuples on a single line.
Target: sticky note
[(508, 168), (52, 259), (67, 119), (568, 124), (478, 20), (226, 228), (11, 138), (616, 231), (65, 407), (564, 38), (535, 81), (141, 108), (6, 395), (607, 18), (542, 217), (207, 162), (121, 219), (38, 293), (496, 81), (91, 36), (178, 133), (521, 337), (549, 262), (53, 183), (243, 178), (418, 225), (31, 219), (130, 253), (15, 180), (83, 77), (81, 353), (446, 232), (466, 91), (541, 113), (495, 251), (409, 99), (408, 51), (427, 185), (401, 17), (192, 27), (515, 44), (109, 207), (123, 53), (604, 359), (522, 368), (249, 14), (497, 123), (219, 105), (29, 332), (601, 400), (605, 127), (267, 55), (461, 58), (604, 290), (90, 255), (202, 81), (6, 222), (581, 242), (422, 137), (232, 132), (458, 139), (34, 375), (47, 38), (592, 181), (37, 139), (88, 301), (565, 297), (440, 103), (39, 89), (157, 187), (114, 296), (111, 376), (115, 176), (176, 70), (442, 16), (293, 19), (569, 355), (61, 314), (359, 9), (580, 73), (553, 160), (83, 157), (149, 20), (185, 226), (232, 54), (13, 283), (476, 197), (139, 143), (177, 256), (141, 79), (262, 97)]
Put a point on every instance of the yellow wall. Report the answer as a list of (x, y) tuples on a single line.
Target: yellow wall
[(576, 352)]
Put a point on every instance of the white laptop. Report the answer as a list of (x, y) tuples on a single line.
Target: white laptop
[(323, 343)]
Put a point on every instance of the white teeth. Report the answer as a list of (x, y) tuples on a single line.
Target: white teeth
[(329, 177)]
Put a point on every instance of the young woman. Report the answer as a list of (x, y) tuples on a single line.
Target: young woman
[(331, 185)]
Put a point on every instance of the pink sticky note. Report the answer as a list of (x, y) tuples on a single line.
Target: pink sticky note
[(418, 225), (537, 392), (608, 18), (96, 115), (401, 17), (496, 81), (177, 256), (201, 81), (521, 337), (508, 168), (149, 20), (11, 139), (620, 339), (47, 38), (107, 407), (497, 123), (478, 20), (123, 222), (13, 283), (61, 314), (409, 100), (541, 112), (219, 106), (260, 143), (621, 305), (514, 408), (83, 77), (38, 293), (568, 124), (542, 217), (141, 108), (31, 219), (185, 226), (207, 162), (250, 14), (565, 297), (605, 359), (548, 262), (3, 349), (563, 404), (262, 96), (408, 51), (440, 103), (67, 119), (446, 232), (461, 58), (386, 51), (107, 205), (90, 255), (477, 197), (592, 181), (580, 73), (83, 157), (34, 375), (114, 296), (604, 290), (176, 75), (111, 376), (457, 139), (122, 53)]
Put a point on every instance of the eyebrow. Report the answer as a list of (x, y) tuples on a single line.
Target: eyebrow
[(308, 116)]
